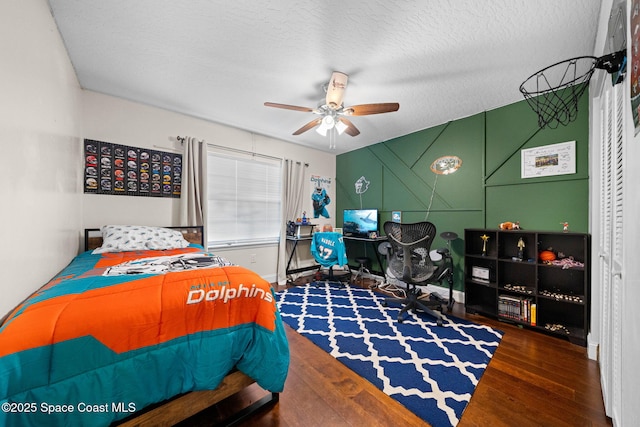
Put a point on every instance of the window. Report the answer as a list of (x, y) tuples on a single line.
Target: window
[(243, 198)]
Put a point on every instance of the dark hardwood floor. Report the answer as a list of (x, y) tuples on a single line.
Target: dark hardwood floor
[(532, 380)]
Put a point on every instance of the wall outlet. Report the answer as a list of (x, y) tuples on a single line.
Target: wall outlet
[(252, 258)]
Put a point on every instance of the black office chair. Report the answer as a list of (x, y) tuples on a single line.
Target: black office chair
[(329, 250), (408, 260)]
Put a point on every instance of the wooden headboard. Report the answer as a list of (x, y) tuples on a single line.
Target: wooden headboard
[(192, 234)]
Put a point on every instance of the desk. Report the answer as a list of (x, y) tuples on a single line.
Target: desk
[(374, 244), (295, 241)]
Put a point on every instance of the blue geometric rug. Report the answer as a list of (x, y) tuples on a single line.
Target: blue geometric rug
[(431, 370)]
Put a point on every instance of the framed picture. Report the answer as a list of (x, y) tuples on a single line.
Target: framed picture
[(480, 274), (549, 160)]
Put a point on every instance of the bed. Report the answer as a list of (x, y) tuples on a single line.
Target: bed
[(157, 323)]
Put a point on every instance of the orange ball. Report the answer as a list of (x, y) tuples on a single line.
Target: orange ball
[(547, 256)]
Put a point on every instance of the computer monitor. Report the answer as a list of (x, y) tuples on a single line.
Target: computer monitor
[(359, 222)]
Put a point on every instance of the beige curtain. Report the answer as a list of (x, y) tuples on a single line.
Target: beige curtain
[(193, 201), (293, 179)]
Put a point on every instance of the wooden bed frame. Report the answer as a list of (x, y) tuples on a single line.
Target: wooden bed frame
[(186, 405)]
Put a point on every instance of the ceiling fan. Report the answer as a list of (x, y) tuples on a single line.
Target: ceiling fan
[(332, 113)]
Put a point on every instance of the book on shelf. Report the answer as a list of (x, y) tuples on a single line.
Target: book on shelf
[(534, 313), (519, 308)]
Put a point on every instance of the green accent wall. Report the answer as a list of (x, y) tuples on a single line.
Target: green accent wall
[(485, 191)]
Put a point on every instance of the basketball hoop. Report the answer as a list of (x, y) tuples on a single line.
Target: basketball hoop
[(553, 92)]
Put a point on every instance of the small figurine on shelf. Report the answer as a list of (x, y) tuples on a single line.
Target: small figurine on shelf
[(565, 226), (484, 238), (509, 225), (304, 217), (521, 249)]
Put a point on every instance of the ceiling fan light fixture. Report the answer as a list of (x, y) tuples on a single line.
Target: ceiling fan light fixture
[(341, 127), (327, 123), (322, 129), (335, 89)]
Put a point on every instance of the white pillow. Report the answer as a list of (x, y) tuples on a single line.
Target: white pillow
[(120, 238)]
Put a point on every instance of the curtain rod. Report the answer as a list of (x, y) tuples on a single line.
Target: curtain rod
[(182, 138), (177, 150), (237, 150)]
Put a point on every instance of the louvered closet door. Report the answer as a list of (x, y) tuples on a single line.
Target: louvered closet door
[(610, 241)]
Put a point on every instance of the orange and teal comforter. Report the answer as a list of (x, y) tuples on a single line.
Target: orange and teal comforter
[(115, 332)]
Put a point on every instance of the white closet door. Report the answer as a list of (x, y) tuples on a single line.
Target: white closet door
[(604, 242), (610, 241), (617, 260)]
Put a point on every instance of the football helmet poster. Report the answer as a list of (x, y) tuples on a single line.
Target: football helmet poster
[(119, 169)]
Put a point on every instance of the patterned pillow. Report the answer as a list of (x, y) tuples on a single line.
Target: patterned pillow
[(120, 238)]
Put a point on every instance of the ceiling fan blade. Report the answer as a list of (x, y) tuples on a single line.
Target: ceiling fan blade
[(311, 124), (351, 129), (289, 107), (367, 109), (335, 89)]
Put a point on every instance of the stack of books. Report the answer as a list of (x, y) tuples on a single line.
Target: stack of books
[(518, 308)]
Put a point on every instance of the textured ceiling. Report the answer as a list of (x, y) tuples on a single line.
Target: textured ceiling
[(221, 60)]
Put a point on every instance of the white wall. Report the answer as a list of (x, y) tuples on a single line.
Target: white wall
[(40, 192), (118, 121)]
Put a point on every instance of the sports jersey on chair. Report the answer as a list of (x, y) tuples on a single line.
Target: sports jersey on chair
[(328, 249)]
